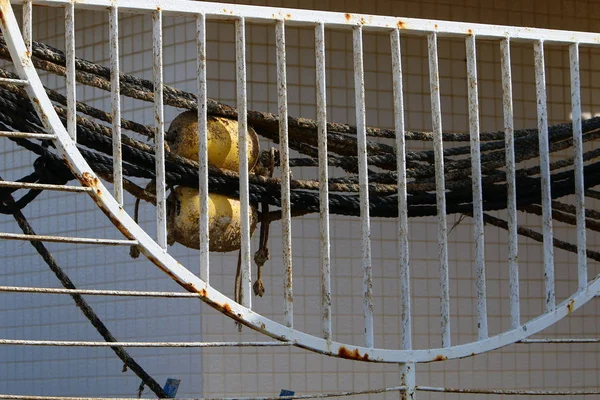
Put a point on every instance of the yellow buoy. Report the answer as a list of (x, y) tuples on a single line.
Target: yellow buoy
[(222, 140), (183, 212)]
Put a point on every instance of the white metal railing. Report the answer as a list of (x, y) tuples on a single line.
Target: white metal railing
[(515, 312), (20, 45), (320, 21)]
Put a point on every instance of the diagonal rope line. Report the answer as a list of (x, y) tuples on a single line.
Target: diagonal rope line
[(85, 308)]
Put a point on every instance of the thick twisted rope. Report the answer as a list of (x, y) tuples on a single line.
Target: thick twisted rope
[(139, 157)]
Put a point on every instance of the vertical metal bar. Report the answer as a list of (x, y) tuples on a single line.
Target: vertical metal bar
[(115, 103), (323, 182), (70, 67), (513, 243), (578, 156), (240, 36), (408, 379), (478, 230), (440, 186), (202, 147), (363, 183), (284, 154), (159, 128), (540, 84), (28, 23), (405, 303)]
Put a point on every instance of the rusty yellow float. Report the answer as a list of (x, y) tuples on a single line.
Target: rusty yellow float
[(183, 204), (222, 140), (183, 213)]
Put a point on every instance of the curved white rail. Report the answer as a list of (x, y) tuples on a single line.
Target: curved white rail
[(158, 255)]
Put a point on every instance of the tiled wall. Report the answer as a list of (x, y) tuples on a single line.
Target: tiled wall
[(234, 372)]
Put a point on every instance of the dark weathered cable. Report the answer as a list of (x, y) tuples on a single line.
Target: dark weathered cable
[(562, 216), (538, 237), (419, 204), (141, 161), (80, 107), (56, 56)]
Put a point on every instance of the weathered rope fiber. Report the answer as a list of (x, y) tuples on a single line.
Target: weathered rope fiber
[(139, 157)]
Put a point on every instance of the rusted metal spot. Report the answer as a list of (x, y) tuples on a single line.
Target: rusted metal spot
[(362, 21), (348, 17), (288, 16), (401, 24), (352, 355), (571, 306), (435, 26), (227, 307), (89, 180), (470, 31), (440, 357), (203, 292)]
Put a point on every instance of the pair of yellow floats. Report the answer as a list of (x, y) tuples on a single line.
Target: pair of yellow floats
[(183, 204)]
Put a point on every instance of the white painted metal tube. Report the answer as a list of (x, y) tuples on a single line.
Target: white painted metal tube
[(98, 292), (28, 23), (510, 392), (509, 130), (66, 239), (70, 70), (28, 135), (540, 84), (408, 379), (115, 103), (568, 340), (478, 229), (9, 81), (440, 186), (578, 157), (363, 182), (213, 297), (296, 397), (73, 343), (202, 147), (404, 261), (325, 246), (45, 186), (306, 18), (242, 106), (159, 130), (284, 154)]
